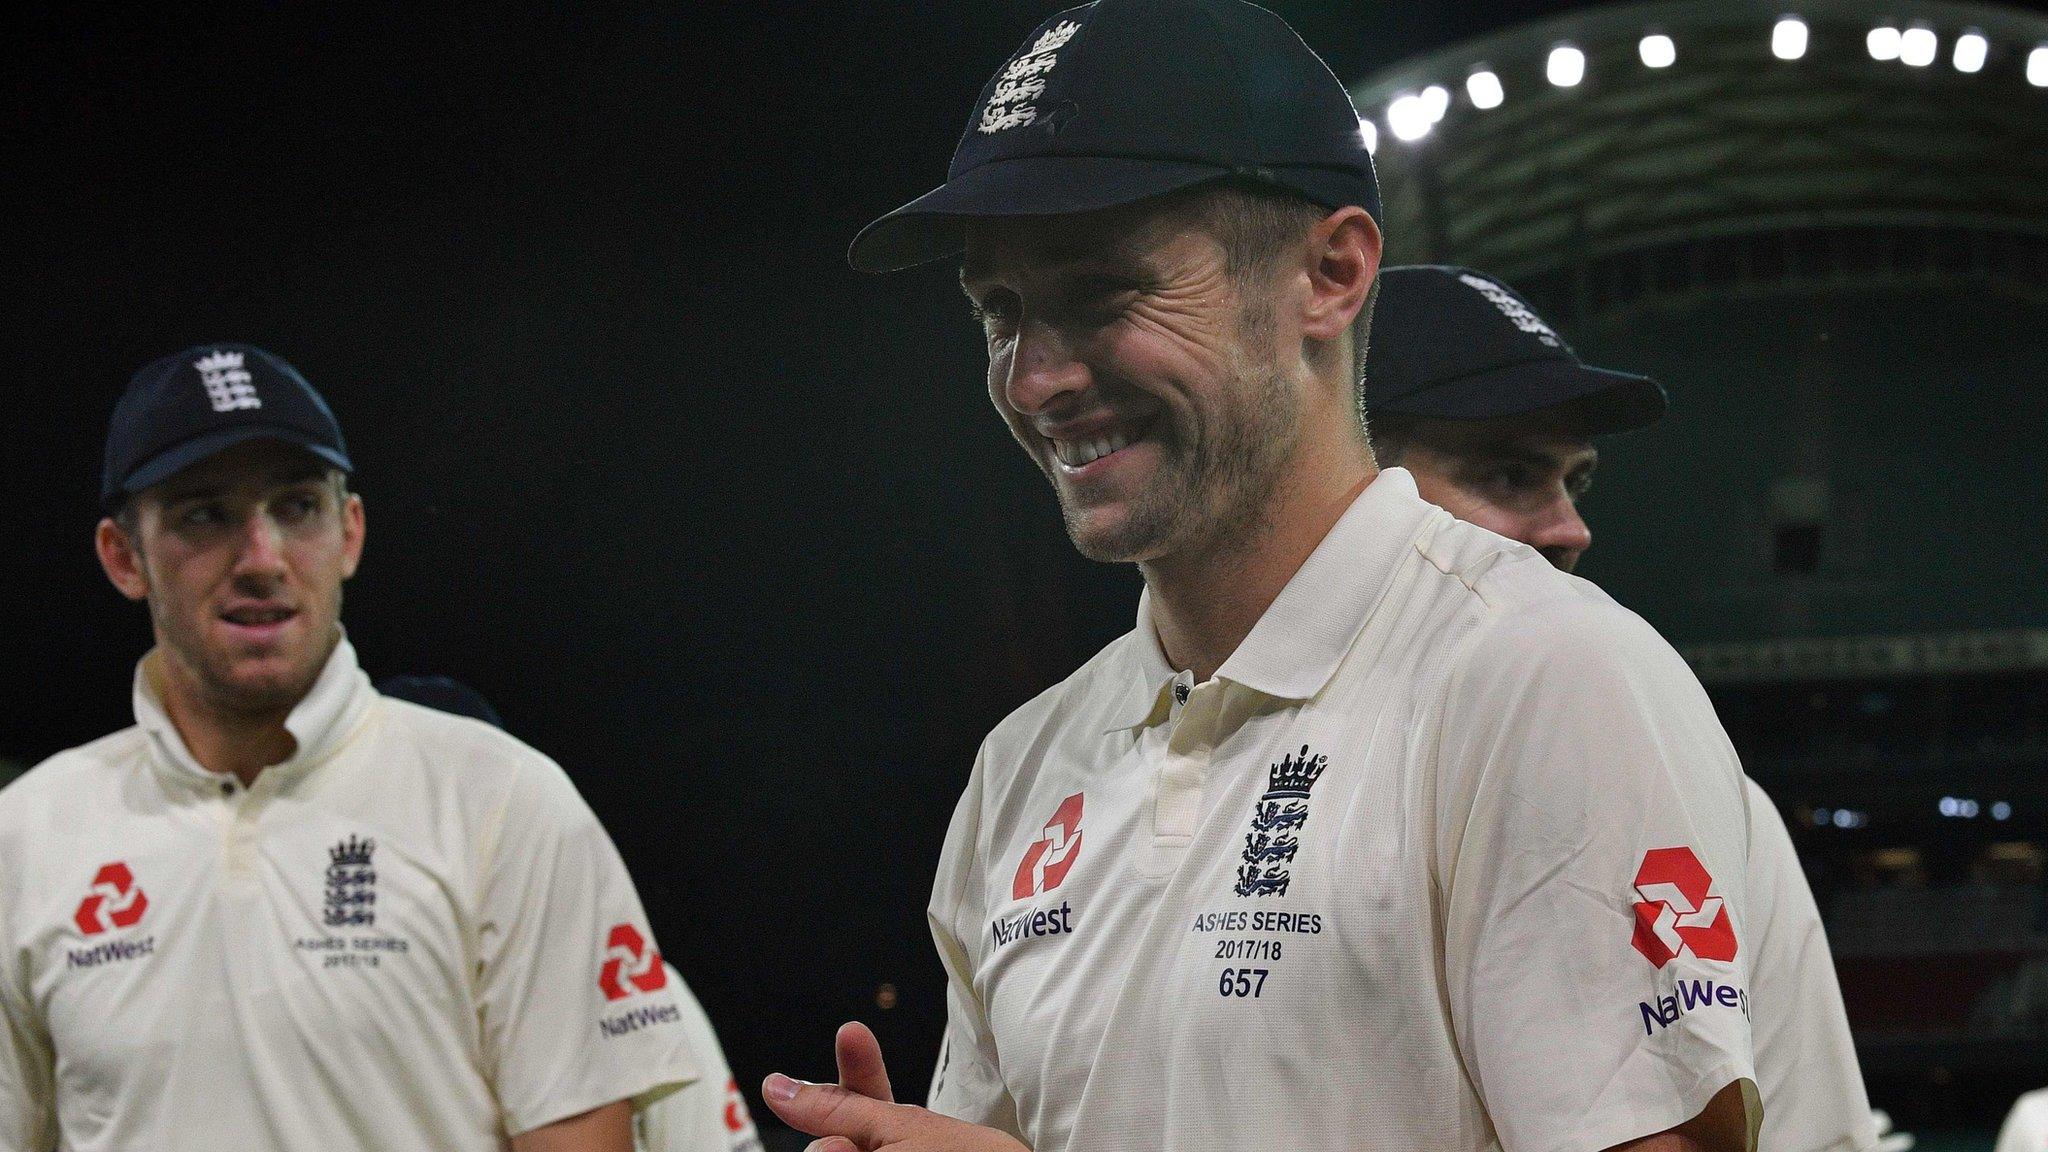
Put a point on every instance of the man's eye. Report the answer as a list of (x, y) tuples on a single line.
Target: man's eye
[(202, 515), (1509, 479), (299, 507), (995, 314)]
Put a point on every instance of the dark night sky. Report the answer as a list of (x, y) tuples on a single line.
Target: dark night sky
[(725, 528)]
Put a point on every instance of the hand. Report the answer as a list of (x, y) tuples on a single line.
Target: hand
[(858, 1114)]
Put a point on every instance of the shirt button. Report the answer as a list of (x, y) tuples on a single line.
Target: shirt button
[(1180, 693), (227, 787)]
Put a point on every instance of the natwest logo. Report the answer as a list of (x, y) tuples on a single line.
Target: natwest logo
[(1049, 858), (629, 960), (1676, 914), (114, 902)]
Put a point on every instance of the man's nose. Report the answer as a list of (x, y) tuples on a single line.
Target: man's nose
[(1563, 536), (261, 548), (1042, 369)]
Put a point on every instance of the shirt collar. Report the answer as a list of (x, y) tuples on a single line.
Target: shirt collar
[(319, 725), (1297, 645)]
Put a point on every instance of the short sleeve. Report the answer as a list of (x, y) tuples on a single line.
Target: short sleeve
[(708, 1115), (1812, 1085), (28, 1090), (967, 1083), (2026, 1126), (1592, 841), (576, 1008)]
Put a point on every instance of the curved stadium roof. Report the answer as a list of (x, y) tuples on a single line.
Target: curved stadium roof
[(1728, 140)]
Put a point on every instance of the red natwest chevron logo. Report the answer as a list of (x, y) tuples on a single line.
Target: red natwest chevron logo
[(1676, 915), (1049, 858), (115, 901), (628, 960)]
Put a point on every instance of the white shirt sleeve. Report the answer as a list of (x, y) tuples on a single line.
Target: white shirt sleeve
[(1591, 850), (28, 1090), (576, 1008), (1812, 1086), (708, 1115), (968, 1082), (2026, 1126)]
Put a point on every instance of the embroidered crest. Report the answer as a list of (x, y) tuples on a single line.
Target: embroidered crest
[(228, 384), (351, 884), (1277, 822), (1513, 309), (1023, 81)]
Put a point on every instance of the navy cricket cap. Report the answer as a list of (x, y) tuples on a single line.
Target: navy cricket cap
[(185, 407), (1122, 100), (1456, 344), (443, 694)]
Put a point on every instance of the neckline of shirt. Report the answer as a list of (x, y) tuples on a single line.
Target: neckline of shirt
[(1298, 643), (320, 724)]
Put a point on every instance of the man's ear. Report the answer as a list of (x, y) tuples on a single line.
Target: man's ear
[(121, 559), (1344, 259), (352, 529)]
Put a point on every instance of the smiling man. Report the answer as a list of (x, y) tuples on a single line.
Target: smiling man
[(1377, 830), (282, 911), (1495, 416)]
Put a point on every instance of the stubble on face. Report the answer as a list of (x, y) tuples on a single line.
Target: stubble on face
[(194, 579), (1190, 357), (1221, 465)]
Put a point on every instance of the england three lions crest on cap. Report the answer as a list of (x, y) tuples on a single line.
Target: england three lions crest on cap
[(229, 385), (1022, 81), (1277, 821), (1513, 309)]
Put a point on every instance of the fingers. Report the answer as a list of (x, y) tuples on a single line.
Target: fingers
[(860, 1062), (829, 1110), (832, 1144)]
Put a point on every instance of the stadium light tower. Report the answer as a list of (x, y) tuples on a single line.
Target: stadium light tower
[(1484, 89), (1566, 67), (1971, 49), (1788, 38), (1918, 46)]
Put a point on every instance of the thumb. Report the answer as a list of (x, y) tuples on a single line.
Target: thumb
[(829, 1110), (860, 1062)]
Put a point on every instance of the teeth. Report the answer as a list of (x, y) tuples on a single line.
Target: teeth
[(1075, 453)]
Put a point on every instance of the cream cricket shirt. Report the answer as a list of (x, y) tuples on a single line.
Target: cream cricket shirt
[(1448, 854), (412, 934), (709, 1115), (1812, 1085)]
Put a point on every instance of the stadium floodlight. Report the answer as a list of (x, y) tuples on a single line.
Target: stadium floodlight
[(1567, 66), (1485, 91), (1971, 48), (1408, 117), (1788, 38), (1370, 132), (1436, 99), (1657, 51), (2037, 67), (1917, 47), (1883, 42)]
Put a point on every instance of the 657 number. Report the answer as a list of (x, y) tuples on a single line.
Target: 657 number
[(1248, 982)]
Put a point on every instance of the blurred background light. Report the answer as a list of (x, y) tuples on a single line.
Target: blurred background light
[(1371, 134), (1436, 100), (1917, 47), (1788, 38), (1408, 118), (1485, 90), (2037, 67), (1883, 42), (1658, 51), (1567, 66), (1971, 48)]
